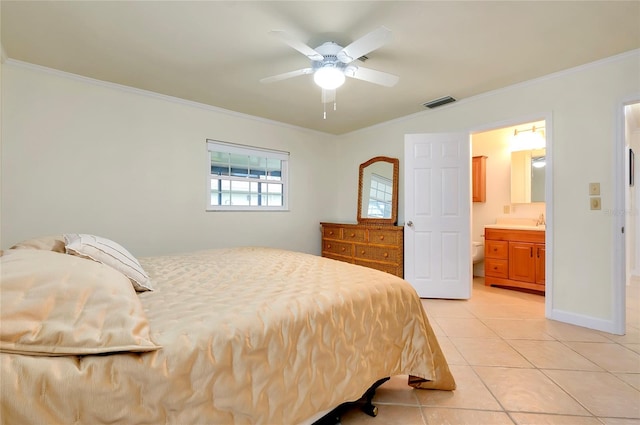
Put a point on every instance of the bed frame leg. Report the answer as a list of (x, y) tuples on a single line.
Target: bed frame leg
[(333, 417), (368, 407)]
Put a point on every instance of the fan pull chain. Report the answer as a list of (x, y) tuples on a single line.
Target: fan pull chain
[(323, 98), (325, 101)]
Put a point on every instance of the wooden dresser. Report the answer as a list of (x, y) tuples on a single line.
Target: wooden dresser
[(514, 258), (379, 247)]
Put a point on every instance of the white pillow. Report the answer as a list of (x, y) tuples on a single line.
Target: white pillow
[(108, 252), (54, 304)]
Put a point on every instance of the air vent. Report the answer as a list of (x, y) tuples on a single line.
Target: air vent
[(363, 58), (439, 102)]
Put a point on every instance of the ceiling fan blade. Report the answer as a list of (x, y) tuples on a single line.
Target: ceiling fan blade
[(364, 45), (298, 45), (286, 75), (373, 76)]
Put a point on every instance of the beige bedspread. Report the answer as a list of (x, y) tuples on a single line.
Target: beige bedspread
[(249, 335)]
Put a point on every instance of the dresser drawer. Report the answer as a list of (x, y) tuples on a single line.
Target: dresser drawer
[(496, 268), (340, 248), (353, 234), (496, 249), (378, 253), (384, 237), (332, 232), (388, 268), (342, 258)]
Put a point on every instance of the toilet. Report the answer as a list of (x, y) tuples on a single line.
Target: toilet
[(477, 252)]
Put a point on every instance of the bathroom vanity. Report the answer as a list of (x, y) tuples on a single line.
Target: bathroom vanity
[(515, 257)]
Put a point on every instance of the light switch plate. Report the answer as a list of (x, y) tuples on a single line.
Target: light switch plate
[(595, 203), (594, 189)]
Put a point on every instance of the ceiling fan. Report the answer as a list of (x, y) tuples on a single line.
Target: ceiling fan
[(331, 63)]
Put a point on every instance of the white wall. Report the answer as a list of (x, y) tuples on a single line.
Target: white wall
[(92, 158), (583, 104), (81, 157)]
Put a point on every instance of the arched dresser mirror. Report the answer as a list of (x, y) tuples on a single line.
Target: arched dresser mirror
[(378, 191), (375, 241)]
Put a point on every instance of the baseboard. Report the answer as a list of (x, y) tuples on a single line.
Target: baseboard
[(584, 321)]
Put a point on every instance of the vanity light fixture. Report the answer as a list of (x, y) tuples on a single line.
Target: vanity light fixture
[(528, 138), (533, 129), (538, 162)]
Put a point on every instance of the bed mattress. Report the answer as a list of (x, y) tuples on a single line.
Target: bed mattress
[(248, 336)]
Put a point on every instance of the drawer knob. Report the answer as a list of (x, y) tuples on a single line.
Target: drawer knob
[(362, 252), (331, 232), (381, 237), (328, 245), (386, 254), (342, 249), (352, 234)]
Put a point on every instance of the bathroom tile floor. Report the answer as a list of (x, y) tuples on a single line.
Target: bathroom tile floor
[(513, 366)]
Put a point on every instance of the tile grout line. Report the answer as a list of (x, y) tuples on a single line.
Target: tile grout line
[(484, 319), (533, 366)]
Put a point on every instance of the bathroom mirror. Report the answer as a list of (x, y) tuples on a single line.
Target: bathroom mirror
[(527, 176), (378, 191)]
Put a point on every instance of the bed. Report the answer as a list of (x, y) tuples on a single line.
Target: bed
[(246, 335)]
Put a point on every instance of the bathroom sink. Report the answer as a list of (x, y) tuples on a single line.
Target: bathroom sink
[(516, 226)]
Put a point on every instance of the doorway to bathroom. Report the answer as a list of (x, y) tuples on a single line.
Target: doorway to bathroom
[(624, 215), (632, 191), (518, 183)]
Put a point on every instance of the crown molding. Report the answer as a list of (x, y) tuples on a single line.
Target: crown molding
[(151, 94), (554, 75)]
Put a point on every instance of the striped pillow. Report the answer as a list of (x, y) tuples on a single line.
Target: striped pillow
[(108, 252)]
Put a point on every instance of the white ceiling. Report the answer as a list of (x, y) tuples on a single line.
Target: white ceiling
[(215, 52)]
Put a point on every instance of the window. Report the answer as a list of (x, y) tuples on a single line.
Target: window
[(246, 178), (380, 196)]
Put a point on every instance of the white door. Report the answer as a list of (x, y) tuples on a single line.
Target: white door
[(437, 241)]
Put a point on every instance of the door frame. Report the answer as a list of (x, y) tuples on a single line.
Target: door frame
[(620, 167), (548, 191)]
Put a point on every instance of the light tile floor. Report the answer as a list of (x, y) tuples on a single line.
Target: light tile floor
[(513, 366)]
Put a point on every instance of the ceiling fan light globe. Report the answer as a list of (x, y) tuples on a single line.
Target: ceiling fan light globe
[(329, 78)]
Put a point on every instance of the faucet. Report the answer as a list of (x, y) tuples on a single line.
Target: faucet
[(540, 221)]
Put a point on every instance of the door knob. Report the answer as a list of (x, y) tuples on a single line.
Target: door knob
[(410, 223)]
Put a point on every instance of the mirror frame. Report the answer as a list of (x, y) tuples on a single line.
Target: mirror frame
[(395, 162)]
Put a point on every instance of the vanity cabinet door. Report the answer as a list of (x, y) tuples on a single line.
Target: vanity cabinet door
[(522, 264), (540, 263)]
